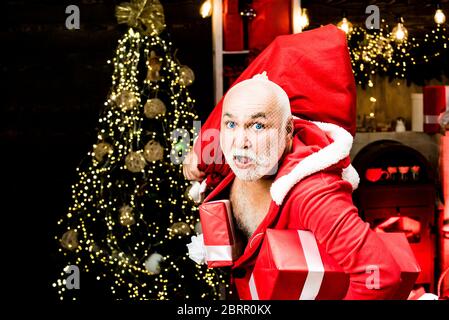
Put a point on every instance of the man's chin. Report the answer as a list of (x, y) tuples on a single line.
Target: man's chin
[(244, 174), (247, 174)]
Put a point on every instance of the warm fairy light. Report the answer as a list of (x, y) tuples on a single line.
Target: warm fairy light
[(400, 32), (345, 25), (439, 17), (206, 9), (377, 52)]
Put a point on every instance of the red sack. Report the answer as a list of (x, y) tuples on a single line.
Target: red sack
[(291, 265)]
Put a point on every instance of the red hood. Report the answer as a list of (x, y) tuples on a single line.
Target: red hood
[(308, 139), (317, 146)]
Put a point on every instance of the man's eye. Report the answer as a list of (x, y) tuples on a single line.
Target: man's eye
[(230, 124), (258, 126)]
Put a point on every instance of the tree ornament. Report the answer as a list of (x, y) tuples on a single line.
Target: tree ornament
[(186, 76), (125, 100), (153, 151), (154, 64), (69, 240), (101, 149), (145, 15), (126, 216), (135, 162), (154, 107)]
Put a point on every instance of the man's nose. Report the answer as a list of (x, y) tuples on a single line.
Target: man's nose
[(241, 140)]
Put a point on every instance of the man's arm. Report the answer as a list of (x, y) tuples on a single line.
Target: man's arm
[(326, 209)]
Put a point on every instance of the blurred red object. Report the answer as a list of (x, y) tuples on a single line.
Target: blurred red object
[(232, 26), (376, 174), (273, 18), (415, 169), (410, 227), (392, 170), (404, 170)]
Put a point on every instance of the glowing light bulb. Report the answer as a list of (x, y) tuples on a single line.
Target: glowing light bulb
[(399, 33), (206, 9), (439, 17), (304, 19), (345, 25)]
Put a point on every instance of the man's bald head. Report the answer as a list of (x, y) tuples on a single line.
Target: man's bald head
[(259, 91)]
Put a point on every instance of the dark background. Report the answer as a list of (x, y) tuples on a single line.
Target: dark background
[(55, 82)]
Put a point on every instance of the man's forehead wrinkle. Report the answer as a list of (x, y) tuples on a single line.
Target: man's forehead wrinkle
[(259, 115), (265, 114)]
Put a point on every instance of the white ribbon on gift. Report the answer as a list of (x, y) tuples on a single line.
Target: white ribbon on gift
[(434, 119), (201, 253), (315, 268), (219, 253)]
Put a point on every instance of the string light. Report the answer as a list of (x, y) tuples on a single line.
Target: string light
[(118, 218), (439, 16), (345, 24), (206, 9), (376, 52), (400, 32)]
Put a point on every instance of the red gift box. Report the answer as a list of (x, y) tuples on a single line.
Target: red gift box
[(400, 249), (218, 232), (436, 101), (291, 265)]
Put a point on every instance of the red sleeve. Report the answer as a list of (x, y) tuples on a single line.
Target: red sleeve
[(326, 209)]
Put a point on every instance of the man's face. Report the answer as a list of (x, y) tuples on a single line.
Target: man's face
[(253, 137)]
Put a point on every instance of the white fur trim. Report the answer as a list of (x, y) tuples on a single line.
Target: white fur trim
[(350, 174), (197, 191), (320, 160)]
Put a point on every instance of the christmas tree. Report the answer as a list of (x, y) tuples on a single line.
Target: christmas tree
[(131, 216)]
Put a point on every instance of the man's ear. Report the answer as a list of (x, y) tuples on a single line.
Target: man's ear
[(289, 127)]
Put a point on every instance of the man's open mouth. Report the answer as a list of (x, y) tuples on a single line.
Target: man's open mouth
[(242, 161)]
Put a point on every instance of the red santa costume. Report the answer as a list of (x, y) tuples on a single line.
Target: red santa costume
[(313, 187)]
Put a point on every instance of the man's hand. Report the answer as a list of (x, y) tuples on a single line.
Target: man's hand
[(190, 167)]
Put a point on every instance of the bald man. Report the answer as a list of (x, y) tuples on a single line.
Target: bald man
[(256, 131), (290, 173)]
